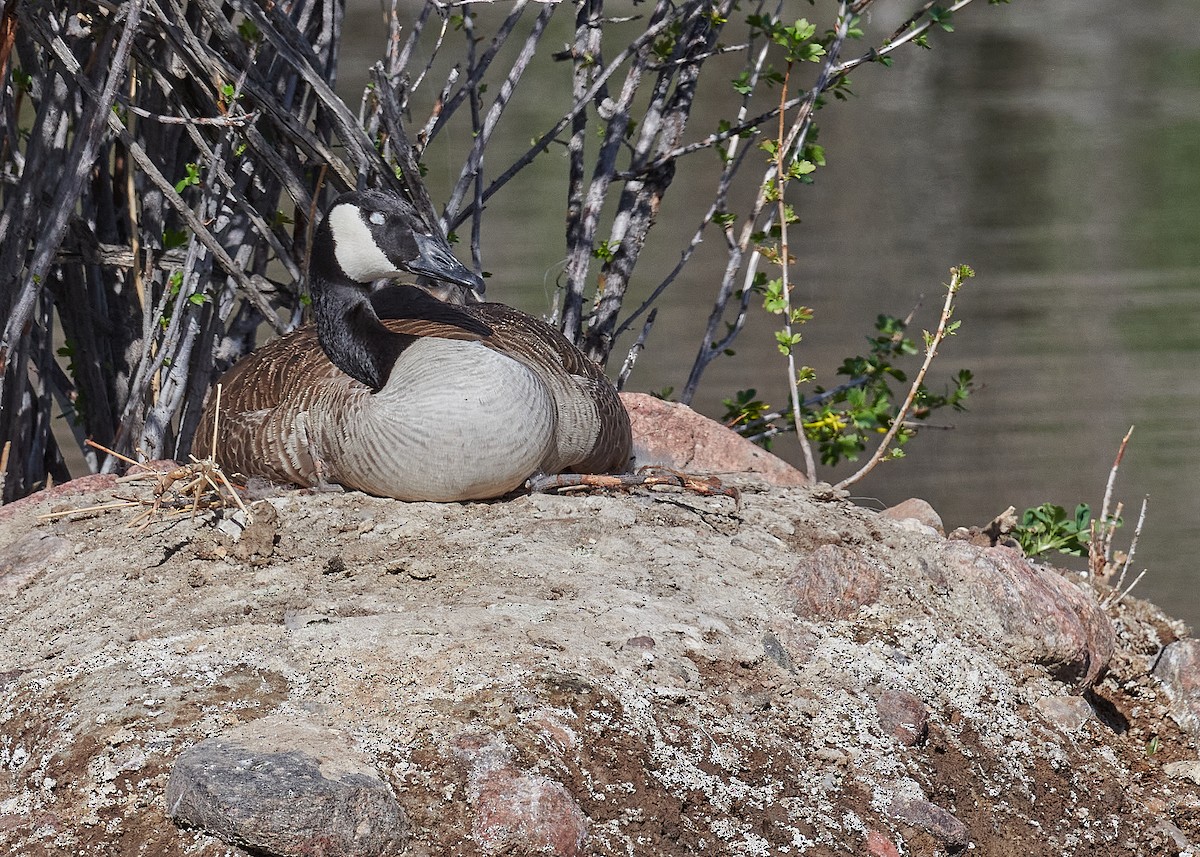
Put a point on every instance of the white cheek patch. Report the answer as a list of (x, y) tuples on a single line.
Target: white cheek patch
[(377, 218), (354, 248)]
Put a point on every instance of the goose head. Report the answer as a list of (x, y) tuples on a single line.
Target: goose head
[(367, 236)]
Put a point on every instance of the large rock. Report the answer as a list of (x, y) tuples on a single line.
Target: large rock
[(74, 490), (668, 434), (642, 673), (1042, 616), (28, 556)]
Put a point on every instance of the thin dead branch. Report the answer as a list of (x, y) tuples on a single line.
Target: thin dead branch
[(931, 346)]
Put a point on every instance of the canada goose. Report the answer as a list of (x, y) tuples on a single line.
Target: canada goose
[(399, 394)]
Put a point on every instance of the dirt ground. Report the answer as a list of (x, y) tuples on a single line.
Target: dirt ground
[(777, 673)]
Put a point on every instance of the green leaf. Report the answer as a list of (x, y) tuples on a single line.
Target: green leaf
[(248, 31), (192, 178), (1048, 527), (941, 17), (22, 79), (787, 341), (606, 251)]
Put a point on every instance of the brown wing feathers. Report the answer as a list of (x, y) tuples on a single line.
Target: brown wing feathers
[(287, 373)]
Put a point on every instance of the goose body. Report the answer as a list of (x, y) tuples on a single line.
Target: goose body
[(398, 394)]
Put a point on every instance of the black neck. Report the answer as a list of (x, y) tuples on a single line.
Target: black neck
[(348, 328), (351, 334)]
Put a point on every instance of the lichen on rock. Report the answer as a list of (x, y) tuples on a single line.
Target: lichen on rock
[(645, 673)]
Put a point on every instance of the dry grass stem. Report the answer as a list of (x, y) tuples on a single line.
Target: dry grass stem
[(1112, 479), (1101, 559), (1118, 595), (199, 485)]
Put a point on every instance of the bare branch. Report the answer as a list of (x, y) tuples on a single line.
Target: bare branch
[(931, 346)]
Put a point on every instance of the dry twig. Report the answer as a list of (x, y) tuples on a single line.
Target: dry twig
[(650, 477), (931, 346), (200, 485)]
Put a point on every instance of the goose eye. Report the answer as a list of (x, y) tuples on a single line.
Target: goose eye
[(377, 218)]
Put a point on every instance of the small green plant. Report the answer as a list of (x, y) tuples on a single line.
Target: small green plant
[(1048, 528), (192, 178), (842, 421)]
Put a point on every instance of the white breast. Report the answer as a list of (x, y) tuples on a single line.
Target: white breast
[(456, 420)]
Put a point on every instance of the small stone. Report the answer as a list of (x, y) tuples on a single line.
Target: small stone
[(420, 571), (527, 814), (283, 788), (879, 845), (640, 643), (777, 652), (1172, 832), (1068, 713), (833, 582), (831, 755), (1185, 770), (903, 716), (916, 509), (971, 535), (232, 526), (1178, 669), (931, 818)]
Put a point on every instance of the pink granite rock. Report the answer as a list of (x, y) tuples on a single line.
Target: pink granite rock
[(879, 845), (903, 716), (517, 813), (1049, 620), (668, 434), (28, 556), (833, 582), (1179, 670), (90, 484), (915, 509)]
